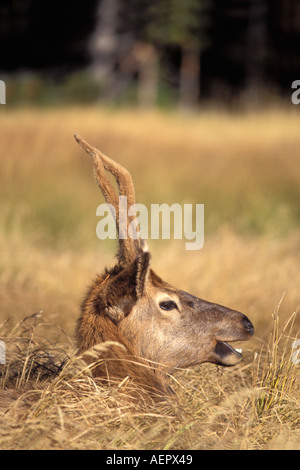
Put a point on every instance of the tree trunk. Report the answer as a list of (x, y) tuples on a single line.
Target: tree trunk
[(104, 44), (189, 86), (256, 50), (147, 61)]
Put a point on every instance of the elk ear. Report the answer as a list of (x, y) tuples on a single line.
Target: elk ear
[(123, 291), (142, 262)]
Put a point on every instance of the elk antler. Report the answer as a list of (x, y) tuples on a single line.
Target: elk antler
[(128, 247)]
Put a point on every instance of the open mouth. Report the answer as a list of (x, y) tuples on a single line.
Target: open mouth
[(226, 355)]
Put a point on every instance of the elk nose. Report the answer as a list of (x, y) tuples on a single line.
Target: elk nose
[(248, 326)]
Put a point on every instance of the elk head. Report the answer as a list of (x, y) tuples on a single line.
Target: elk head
[(152, 319)]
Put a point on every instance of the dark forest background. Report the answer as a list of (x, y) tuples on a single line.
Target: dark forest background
[(149, 51)]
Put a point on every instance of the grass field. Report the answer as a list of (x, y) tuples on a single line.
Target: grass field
[(245, 168)]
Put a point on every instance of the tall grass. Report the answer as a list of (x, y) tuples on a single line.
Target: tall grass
[(245, 169), (53, 402)]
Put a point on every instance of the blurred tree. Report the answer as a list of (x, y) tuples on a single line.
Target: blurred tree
[(147, 64), (183, 24), (120, 51), (256, 49), (141, 57), (249, 42), (104, 45)]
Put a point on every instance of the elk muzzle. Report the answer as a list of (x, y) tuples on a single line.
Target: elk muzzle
[(223, 353)]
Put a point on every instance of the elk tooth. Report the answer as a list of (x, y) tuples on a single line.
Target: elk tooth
[(239, 350)]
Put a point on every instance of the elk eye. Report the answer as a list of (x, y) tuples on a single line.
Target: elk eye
[(167, 305)]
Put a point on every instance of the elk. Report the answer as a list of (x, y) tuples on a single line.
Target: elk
[(150, 327)]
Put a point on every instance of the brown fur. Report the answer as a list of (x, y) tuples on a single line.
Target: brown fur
[(158, 327)]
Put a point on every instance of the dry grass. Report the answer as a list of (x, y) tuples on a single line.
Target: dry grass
[(245, 169)]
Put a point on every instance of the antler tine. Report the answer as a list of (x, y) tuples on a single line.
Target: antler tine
[(100, 175), (122, 176), (128, 247)]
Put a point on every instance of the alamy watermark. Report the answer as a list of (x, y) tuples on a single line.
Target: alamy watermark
[(188, 222), (295, 358), (2, 352), (2, 92), (296, 94)]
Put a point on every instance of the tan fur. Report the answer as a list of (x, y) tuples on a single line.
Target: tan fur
[(158, 327)]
